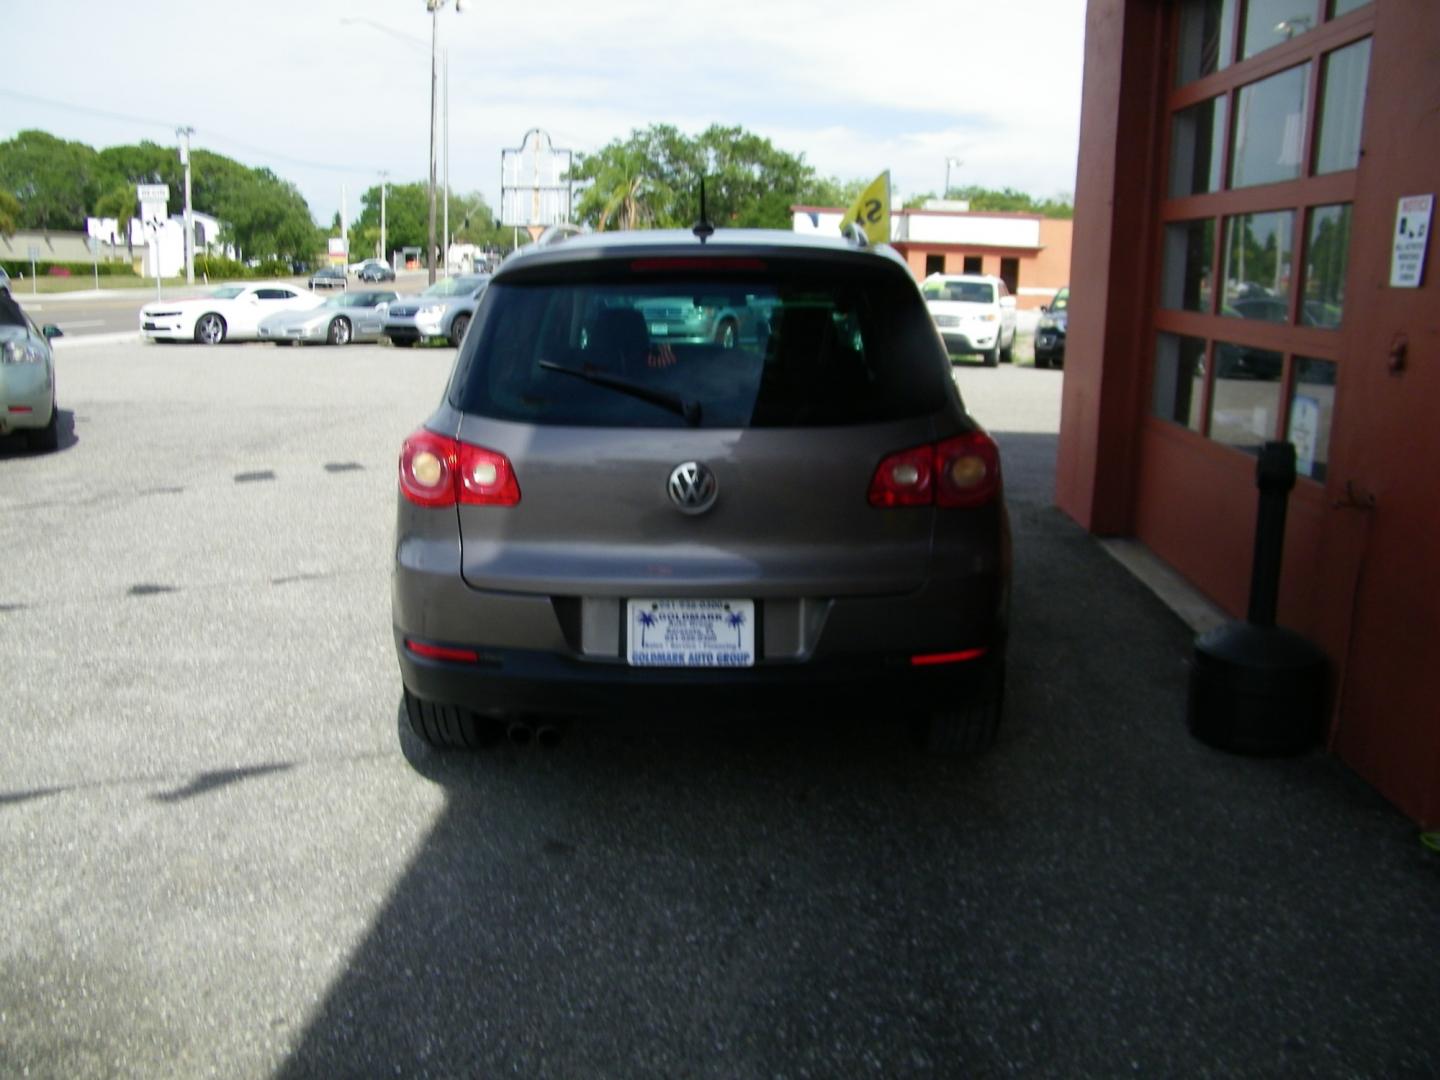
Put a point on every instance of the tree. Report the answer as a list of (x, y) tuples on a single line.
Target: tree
[(1002, 200), (9, 214), (119, 203), (406, 223), (54, 181), (652, 180)]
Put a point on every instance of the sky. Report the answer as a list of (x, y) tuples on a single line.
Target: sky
[(329, 93)]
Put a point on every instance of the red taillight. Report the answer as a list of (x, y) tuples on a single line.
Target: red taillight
[(439, 471), (905, 479), (441, 652), (959, 472), (967, 470), (930, 659)]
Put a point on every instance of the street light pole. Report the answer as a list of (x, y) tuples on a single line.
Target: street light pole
[(445, 123), (434, 62), (948, 162), (434, 6)]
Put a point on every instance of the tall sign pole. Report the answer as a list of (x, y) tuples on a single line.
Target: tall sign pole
[(185, 133)]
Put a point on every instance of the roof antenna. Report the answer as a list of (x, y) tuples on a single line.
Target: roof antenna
[(703, 229)]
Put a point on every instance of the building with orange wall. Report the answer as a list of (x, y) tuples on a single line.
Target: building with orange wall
[(1253, 176), (1030, 253)]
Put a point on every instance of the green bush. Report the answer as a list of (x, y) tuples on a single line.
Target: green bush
[(17, 268)]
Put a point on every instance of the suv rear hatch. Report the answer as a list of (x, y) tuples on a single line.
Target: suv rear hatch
[(835, 368)]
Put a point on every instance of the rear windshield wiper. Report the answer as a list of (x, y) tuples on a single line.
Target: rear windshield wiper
[(690, 410)]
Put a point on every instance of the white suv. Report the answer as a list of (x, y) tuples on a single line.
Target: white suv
[(974, 313)]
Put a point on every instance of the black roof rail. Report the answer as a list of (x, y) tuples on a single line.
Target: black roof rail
[(855, 234), (560, 232)]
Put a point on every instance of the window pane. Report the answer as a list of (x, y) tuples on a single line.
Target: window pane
[(1270, 129), (1196, 140), (1207, 29), (1258, 257), (1185, 276), (1245, 400), (1311, 408), (1342, 113), (1344, 7), (1179, 379), (1274, 22), (1327, 256)]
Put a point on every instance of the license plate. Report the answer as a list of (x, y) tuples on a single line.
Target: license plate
[(659, 328), (690, 633)]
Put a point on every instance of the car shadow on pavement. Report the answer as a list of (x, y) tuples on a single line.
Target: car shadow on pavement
[(17, 444), (1098, 894)]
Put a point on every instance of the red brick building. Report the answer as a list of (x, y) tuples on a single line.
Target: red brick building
[(1245, 167)]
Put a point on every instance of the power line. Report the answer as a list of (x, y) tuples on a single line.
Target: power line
[(170, 125)]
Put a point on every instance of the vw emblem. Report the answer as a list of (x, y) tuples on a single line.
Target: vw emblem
[(692, 488)]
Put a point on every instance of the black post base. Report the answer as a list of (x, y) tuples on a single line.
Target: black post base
[(1257, 690)]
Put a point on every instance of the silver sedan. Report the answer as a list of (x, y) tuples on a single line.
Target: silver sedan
[(350, 316)]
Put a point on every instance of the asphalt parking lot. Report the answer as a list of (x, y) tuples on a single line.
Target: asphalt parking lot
[(224, 855)]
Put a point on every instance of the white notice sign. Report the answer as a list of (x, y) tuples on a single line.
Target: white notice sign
[(1412, 231)]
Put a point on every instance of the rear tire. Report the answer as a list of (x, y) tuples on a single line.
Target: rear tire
[(1041, 361), (969, 727), (458, 328), (449, 727), (402, 343), (1007, 354), (339, 332), (47, 439), (728, 336)]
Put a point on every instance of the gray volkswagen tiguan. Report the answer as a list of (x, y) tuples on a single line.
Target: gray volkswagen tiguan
[(798, 517)]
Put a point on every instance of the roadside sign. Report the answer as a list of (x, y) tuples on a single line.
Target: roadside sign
[(152, 193), (1412, 232)]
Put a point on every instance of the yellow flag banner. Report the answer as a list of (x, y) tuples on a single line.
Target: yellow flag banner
[(872, 210)]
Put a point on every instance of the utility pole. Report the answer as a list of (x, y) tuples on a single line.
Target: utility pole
[(384, 252), (344, 229), (184, 133)]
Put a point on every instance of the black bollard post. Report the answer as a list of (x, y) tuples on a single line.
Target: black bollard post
[(1255, 687)]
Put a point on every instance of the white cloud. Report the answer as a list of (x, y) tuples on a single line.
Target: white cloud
[(855, 87)]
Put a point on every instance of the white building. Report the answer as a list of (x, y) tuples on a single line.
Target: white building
[(162, 237)]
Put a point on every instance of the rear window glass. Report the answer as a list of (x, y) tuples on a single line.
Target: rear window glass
[(759, 349), (971, 292)]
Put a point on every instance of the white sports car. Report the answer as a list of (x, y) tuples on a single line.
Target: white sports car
[(231, 312)]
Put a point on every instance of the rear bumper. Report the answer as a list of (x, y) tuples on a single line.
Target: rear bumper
[(566, 654), (512, 681), (26, 397)]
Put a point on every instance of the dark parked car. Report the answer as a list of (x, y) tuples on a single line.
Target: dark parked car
[(328, 277), (375, 270), (1050, 333), (596, 520)]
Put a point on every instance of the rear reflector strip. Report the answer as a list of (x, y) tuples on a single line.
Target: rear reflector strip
[(21, 409), (927, 659), (440, 652)]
